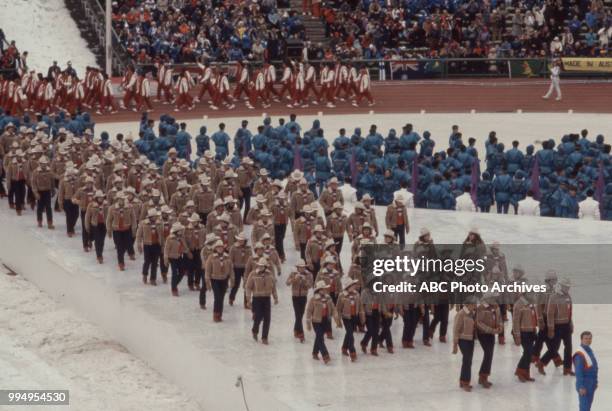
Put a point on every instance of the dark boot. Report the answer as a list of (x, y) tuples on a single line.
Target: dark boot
[(483, 379), (353, 356), (568, 371), (345, 352), (465, 386), (520, 375)]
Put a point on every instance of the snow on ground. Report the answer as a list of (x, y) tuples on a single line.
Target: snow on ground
[(527, 128), (48, 346), (45, 29)]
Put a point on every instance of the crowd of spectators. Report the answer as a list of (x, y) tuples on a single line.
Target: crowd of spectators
[(199, 30), (374, 29), (12, 62)]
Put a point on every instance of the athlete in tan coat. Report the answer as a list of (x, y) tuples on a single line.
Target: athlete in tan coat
[(260, 286)]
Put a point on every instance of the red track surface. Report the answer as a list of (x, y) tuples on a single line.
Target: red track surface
[(492, 96)]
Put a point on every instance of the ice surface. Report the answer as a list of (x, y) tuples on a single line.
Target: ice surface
[(45, 29), (283, 375)]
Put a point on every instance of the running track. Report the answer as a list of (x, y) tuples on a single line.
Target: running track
[(453, 96)]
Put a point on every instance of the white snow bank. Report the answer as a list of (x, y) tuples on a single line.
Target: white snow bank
[(45, 29)]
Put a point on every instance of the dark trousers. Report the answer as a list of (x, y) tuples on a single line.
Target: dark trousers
[(177, 273), (203, 290), (72, 215), (485, 209), (299, 306), (562, 333), (194, 268), (503, 208), (43, 204), (219, 287), (246, 199), (122, 243), (30, 196), (86, 236), (151, 260), (527, 341), (385, 332), (279, 238), (238, 273), (303, 253), (261, 312), (2, 176), (426, 323), (99, 237), (487, 342), (339, 242), (163, 268), (349, 338), (411, 319), (19, 192), (319, 342), (541, 339), (129, 247), (440, 317), (372, 329), (467, 352), (203, 217), (400, 234)]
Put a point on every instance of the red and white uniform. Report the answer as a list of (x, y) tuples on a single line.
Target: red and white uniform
[(258, 89), (222, 94), (242, 82), (310, 79), (342, 81), (364, 87), (287, 82), (164, 82), (270, 75), (108, 99), (328, 82), (298, 87), (129, 86), (207, 80), (183, 99), (144, 92)]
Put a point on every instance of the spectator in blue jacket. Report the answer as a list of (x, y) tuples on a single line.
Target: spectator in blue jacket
[(426, 145), (221, 140), (356, 138), (408, 136), (502, 186), (545, 158), (557, 197), (392, 143), (342, 142), (202, 142), (484, 193), (518, 189), (514, 158), (390, 186), (373, 139), (293, 123), (436, 195), (370, 183), (569, 204), (606, 203), (183, 142), (242, 140), (323, 169)]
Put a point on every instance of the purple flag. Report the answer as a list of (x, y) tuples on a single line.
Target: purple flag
[(353, 166), (599, 185), (298, 163), (475, 177), (535, 180), (415, 178)]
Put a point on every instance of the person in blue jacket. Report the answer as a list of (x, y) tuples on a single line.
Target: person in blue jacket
[(221, 140), (316, 126), (242, 140), (606, 203), (569, 204), (183, 142), (323, 169), (518, 190), (319, 142), (342, 142), (426, 145), (259, 140), (514, 158), (373, 139), (409, 154), (502, 186), (436, 195), (484, 193), (202, 142), (390, 186), (105, 143), (293, 123), (557, 197), (285, 157), (587, 370), (575, 158), (546, 158), (391, 143), (356, 138), (408, 136), (528, 159), (370, 183)]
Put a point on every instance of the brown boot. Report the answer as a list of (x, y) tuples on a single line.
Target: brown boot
[(254, 335), (411, 345), (121, 267), (301, 337), (202, 306), (315, 357), (483, 379), (190, 286), (374, 351), (443, 339), (50, 225), (326, 359), (216, 317), (345, 352), (501, 340), (39, 223), (558, 361), (329, 335), (353, 356), (264, 341), (426, 343), (465, 386), (568, 371), (364, 348), (528, 376), (153, 282), (132, 257), (144, 279), (520, 375), (175, 293), (540, 367), (231, 302), (164, 277), (100, 260), (390, 349)]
